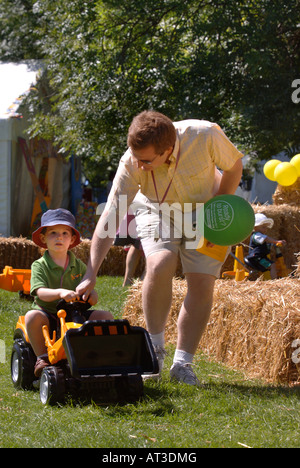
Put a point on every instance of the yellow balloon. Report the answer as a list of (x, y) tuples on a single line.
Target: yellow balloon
[(286, 174), (296, 163), (270, 167)]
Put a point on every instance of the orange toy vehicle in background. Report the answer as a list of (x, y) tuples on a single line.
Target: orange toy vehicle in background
[(15, 280)]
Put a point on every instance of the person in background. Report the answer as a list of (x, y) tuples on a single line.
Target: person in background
[(127, 238), (260, 246)]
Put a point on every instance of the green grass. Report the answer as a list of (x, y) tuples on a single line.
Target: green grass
[(228, 411)]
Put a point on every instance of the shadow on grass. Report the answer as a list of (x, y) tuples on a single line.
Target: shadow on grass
[(218, 388), (263, 390), (165, 398)]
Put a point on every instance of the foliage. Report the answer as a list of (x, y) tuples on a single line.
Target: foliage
[(107, 60), (19, 37)]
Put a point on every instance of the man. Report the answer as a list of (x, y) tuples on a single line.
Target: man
[(169, 163)]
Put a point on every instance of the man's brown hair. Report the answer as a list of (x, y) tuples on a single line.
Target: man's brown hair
[(151, 128)]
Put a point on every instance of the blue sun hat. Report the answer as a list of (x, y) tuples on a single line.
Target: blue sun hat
[(52, 218)]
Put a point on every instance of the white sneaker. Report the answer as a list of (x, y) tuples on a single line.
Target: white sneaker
[(160, 354), (183, 373)]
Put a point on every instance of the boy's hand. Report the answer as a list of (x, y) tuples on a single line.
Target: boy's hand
[(280, 243), (68, 295)]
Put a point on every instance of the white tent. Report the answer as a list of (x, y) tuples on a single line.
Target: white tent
[(17, 196)]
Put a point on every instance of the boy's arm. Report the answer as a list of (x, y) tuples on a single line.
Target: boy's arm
[(270, 240), (51, 295)]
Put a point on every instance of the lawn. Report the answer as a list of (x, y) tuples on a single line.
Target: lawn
[(229, 410)]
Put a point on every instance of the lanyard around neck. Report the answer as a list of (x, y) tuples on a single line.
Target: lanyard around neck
[(169, 185)]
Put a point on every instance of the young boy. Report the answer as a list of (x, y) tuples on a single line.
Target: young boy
[(55, 276), (260, 246)]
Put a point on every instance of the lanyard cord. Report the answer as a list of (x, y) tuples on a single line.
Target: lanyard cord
[(169, 185)]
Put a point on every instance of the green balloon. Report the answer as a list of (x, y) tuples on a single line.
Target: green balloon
[(228, 220)]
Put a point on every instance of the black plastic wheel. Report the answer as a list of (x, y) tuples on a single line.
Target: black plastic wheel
[(52, 386), (22, 364)]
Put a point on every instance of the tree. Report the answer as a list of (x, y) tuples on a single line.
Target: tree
[(19, 37), (107, 60)]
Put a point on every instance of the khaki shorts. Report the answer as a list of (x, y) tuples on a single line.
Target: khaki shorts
[(162, 232)]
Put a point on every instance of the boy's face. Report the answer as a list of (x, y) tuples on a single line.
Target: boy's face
[(58, 238), (262, 228)]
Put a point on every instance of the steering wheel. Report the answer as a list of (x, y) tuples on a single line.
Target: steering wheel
[(74, 310)]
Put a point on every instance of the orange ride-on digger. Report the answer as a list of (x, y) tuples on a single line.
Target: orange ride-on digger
[(101, 360)]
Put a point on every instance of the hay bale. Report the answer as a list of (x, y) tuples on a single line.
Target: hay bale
[(287, 195), (252, 325), (297, 271), (133, 311), (113, 264), (82, 250), (18, 252)]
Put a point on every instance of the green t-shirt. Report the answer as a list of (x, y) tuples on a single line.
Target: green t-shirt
[(45, 273)]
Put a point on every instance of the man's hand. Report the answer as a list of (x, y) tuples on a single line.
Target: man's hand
[(85, 288), (93, 298)]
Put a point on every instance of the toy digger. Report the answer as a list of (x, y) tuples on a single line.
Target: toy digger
[(101, 359), (16, 280)]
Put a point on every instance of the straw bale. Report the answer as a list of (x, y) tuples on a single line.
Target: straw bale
[(297, 271), (113, 264), (287, 195), (82, 250), (252, 325), (18, 252), (134, 313)]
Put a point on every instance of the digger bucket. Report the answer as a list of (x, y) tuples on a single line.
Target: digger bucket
[(109, 347)]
